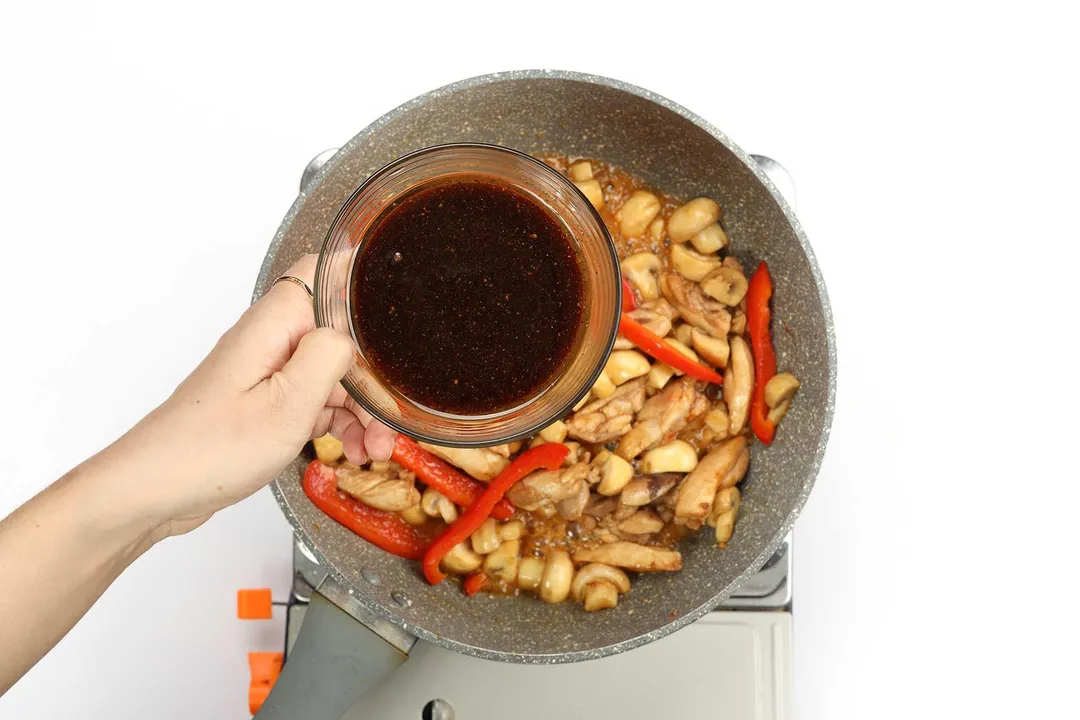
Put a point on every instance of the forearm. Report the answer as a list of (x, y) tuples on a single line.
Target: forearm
[(61, 550)]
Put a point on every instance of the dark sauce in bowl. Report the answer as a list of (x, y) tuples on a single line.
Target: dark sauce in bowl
[(467, 296)]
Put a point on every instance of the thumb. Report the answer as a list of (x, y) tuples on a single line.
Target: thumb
[(321, 359)]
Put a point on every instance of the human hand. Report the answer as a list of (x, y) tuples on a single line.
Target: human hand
[(270, 384)]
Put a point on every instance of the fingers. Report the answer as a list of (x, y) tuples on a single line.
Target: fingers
[(266, 335), (288, 305), (321, 359), (379, 441), (361, 435), (346, 427)]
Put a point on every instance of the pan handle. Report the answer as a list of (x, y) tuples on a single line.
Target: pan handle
[(334, 661), (779, 175)]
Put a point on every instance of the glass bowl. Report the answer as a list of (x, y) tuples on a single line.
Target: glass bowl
[(601, 281)]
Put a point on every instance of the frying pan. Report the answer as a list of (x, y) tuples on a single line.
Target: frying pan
[(336, 657)]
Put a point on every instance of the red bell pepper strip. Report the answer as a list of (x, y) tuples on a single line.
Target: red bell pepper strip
[(629, 300), (459, 488), (758, 316), (379, 527), (652, 344), (549, 456), (474, 582)]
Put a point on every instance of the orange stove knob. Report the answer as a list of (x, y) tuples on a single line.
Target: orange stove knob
[(265, 668), (254, 604)]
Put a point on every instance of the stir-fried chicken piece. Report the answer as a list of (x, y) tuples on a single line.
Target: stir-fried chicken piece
[(642, 558), (653, 320), (699, 488), (482, 463), (642, 522), (385, 489), (572, 507), (608, 418), (660, 306), (694, 306), (665, 413), (545, 488)]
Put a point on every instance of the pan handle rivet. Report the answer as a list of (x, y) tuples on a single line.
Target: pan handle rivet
[(400, 598), (437, 709), (369, 576)]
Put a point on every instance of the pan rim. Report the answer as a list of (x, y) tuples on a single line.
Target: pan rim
[(807, 484)]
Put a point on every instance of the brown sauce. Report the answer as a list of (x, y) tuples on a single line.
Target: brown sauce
[(467, 297)]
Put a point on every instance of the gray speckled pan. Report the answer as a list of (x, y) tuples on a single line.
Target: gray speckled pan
[(672, 149)]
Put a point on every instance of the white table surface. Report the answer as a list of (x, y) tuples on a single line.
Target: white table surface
[(149, 154)]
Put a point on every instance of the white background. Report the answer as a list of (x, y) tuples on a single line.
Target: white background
[(147, 156)]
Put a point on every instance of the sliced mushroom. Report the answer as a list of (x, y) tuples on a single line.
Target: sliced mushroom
[(716, 420), (644, 489), (642, 522), (780, 388), (722, 503), (558, 573), (632, 556), (733, 262), (682, 349), (725, 521), (575, 455), (656, 229), (738, 322), (623, 365), (414, 515), (581, 171), (511, 530), (659, 375), (485, 539), (738, 383), (693, 265), (600, 596), (777, 413), (684, 333), (694, 306), (641, 269), (435, 504), (593, 192), (608, 418), (461, 559), (637, 212), (615, 473), (691, 218), (597, 572), (676, 456), (555, 432), (503, 563), (709, 240), (482, 463), (714, 350), (328, 448), (725, 284), (530, 570), (699, 488), (603, 387)]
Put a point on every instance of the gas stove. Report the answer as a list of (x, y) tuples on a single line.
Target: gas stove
[(735, 662)]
